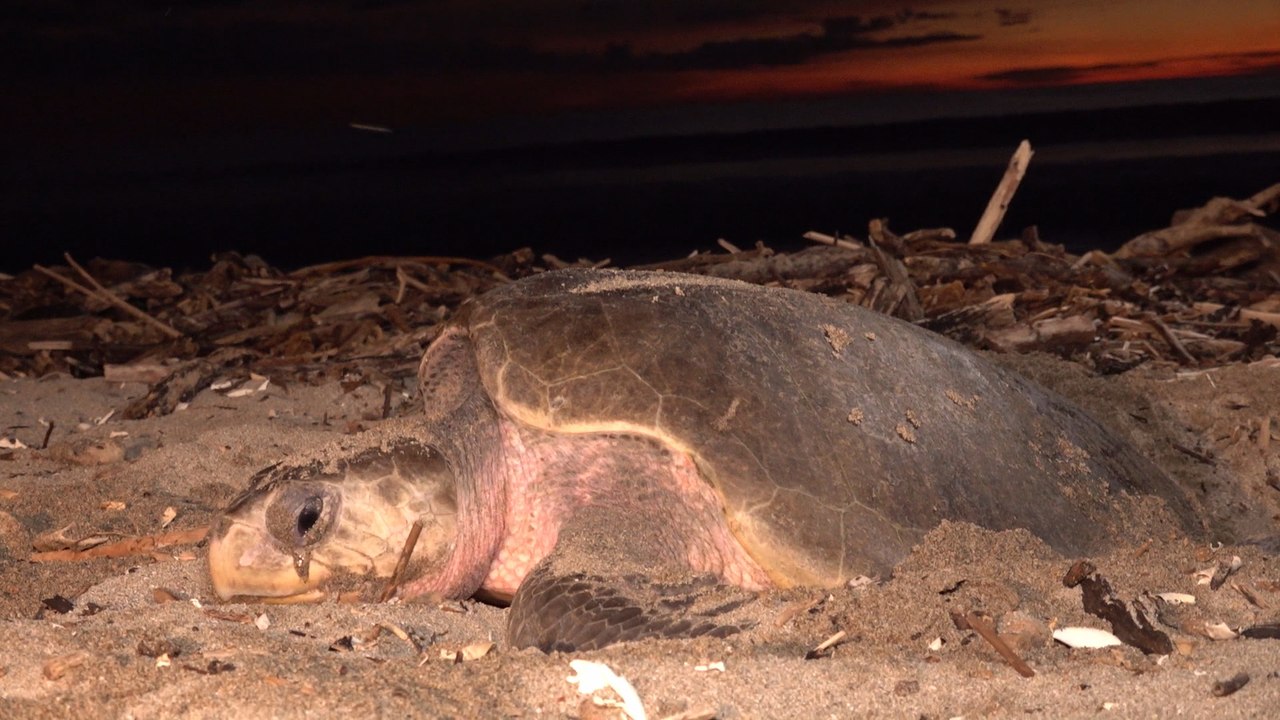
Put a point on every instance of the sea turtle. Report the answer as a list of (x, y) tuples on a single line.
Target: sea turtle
[(595, 444)]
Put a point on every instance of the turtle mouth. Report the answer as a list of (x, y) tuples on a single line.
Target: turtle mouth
[(245, 565)]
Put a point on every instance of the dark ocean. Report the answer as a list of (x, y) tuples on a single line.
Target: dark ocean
[(1098, 178)]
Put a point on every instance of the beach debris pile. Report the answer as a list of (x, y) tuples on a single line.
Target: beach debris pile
[(1202, 292)]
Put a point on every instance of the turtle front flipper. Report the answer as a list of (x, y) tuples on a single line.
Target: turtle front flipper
[(615, 577), (581, 611)]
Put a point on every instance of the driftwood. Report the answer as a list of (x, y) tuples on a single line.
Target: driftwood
[(1204, 291), (999, 203), (1224, 235), (124, 547)]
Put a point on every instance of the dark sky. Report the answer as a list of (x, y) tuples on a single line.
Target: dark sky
[(307, 131), (114, 69)]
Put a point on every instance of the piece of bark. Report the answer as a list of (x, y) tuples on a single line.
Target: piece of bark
[(1133, 628), (902, 291), (185, 381)]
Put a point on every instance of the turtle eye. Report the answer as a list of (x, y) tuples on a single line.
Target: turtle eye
[(309, 514), (302, 515)]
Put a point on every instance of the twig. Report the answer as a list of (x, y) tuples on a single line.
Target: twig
[(980, 624), (400, 633), (105, 294), (825, 645), (140, 545), (1271, 318), (394, 581), (1169, 337), (101, 293), (396, 261), (1000, 199), (1207, 459), (1264, 200), (728, 246), (793, 610), (825, 239), (404, 279)]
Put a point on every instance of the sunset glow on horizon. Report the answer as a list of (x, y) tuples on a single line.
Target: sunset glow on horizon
[(210, 65), (944, 46)]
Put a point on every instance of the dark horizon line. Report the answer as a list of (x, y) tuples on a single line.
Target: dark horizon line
[(1251, 116), (1242, 116)]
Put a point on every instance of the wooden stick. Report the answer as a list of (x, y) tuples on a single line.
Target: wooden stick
[(1263, 200), (142, 545), (396, 575), (395, 262), (1000, 199), (119, 302), (978, 623), (1170, 338), (825, 239), (407, 280), (102, 293), (1270, 318)]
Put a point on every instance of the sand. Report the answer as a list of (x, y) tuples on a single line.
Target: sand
[(142, 636)]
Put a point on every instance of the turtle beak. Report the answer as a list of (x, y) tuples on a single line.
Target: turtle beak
[(245, 565)]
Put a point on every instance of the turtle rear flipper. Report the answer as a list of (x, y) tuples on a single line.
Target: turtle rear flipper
[(615, 577)]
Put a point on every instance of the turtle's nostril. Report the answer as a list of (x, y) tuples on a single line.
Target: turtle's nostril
[(309, 514)]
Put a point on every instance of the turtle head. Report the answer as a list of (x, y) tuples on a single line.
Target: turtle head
[(311, 532)]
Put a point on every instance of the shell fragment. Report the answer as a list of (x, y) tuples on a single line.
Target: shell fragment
[(1085, 637), (592, 676)]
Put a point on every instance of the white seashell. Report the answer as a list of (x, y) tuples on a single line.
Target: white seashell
[(592, 676), (1085, 637), (1220, 631)]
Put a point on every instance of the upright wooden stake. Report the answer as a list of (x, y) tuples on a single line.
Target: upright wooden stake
[(999, 202)]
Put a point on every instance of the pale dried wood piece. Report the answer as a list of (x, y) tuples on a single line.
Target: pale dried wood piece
[(972, 322), (728, 246), (824, 239), (406, 280), (1160, 243), (927, 234), (1124, 323), (1059, 335), (999, 203), (1220, 218), (101, 293), (1269, 318), (1171, 339), (51, 345), (142, 545), (1267, 200)]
